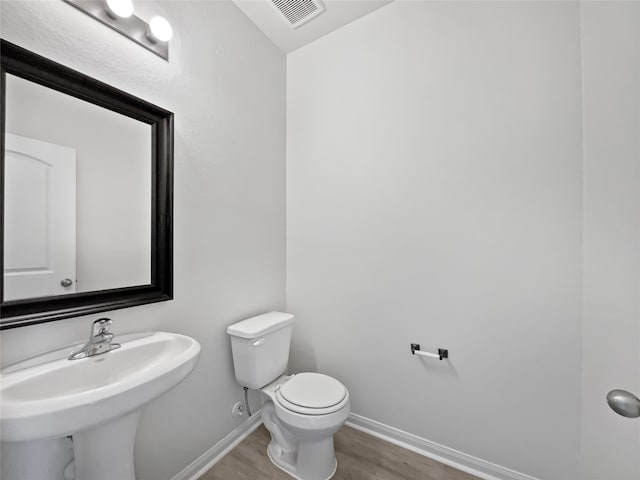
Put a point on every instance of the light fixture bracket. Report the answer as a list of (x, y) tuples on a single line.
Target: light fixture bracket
[(134, 28)]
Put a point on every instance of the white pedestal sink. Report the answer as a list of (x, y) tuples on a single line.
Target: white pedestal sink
[(96, 400)]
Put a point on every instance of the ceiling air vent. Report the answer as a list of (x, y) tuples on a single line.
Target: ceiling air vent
[(298, 12)]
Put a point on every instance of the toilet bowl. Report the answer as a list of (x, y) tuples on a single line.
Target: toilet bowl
[(302, 412)]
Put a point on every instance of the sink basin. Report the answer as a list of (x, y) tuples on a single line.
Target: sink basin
[(59, 398), (86, 398)]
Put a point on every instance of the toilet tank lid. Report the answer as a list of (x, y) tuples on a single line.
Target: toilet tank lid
[(260, 325)]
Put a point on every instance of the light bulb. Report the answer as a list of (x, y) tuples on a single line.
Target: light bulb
[(119, 8), (159, 29)]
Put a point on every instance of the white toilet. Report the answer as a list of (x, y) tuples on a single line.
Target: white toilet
[(303, 411)]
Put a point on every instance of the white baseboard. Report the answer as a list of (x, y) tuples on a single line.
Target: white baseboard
[(212, 456), (461, 461), (448, 456)]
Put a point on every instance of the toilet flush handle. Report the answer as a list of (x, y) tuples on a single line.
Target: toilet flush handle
[(258, 342)]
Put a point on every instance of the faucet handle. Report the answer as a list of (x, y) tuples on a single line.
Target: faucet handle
[(100, 327)]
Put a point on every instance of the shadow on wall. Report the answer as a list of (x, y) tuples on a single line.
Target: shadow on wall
[(302, 357), (440, 368)]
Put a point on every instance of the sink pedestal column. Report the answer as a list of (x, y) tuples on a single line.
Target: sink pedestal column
[(105, 452)]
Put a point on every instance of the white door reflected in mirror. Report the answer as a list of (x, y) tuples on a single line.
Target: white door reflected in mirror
[(40, 218), (81, 224)]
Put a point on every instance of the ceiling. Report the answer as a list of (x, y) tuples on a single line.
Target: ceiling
[(337, 14)]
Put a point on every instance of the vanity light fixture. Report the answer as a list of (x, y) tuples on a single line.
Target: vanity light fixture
[(118, 15), (119, 8), (159, 30)]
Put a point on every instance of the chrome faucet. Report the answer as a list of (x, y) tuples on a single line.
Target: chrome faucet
[(99, 340)]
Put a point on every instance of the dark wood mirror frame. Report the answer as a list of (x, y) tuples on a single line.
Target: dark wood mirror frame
[(35, 68)]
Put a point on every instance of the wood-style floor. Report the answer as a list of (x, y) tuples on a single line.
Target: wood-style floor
[(360, 457)]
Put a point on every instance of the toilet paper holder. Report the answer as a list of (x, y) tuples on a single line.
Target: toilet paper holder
[(442, 352)]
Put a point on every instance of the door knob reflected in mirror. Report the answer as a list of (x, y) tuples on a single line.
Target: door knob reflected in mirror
[(67, 282), (624, 403)]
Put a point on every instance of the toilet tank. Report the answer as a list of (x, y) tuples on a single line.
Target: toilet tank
[(260, 347)]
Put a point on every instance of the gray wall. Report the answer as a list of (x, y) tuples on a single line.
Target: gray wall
[(610, 444), (434, 195), (229, 197)]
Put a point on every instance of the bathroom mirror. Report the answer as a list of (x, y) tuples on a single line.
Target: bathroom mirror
[(87, 176)]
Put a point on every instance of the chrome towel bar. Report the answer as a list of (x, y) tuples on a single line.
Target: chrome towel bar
[(442, 352)]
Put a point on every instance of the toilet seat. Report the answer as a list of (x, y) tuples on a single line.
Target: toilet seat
[(312, 394)]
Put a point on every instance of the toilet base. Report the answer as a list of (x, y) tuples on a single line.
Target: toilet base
[(301, 445), (286, 463)]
